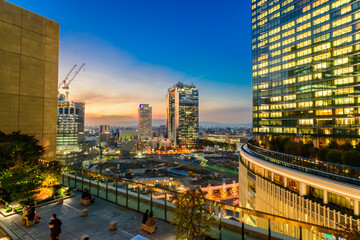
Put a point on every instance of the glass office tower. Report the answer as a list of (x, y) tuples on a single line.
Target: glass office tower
[(145, 120), (305, 57), (182, 115)]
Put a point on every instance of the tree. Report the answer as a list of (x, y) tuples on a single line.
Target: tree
[(192, 215), (346, 146), (333, 156), (333, 145), (351, 158), (21, 171)]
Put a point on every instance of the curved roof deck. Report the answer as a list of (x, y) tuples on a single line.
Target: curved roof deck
[(339, 172)]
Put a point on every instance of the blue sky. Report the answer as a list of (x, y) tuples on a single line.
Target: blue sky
[(134, 50)]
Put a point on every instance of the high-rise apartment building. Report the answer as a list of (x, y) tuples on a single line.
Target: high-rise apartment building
[(29, 50), (182, 114), (70, 131), (305, 57), (145, 120)]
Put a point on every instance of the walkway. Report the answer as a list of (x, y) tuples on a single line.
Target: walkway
[(96, 225)]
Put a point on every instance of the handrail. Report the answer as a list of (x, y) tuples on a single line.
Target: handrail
[(242, 210), (334, 171)]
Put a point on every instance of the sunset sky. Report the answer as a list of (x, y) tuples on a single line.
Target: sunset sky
[(135, 49)]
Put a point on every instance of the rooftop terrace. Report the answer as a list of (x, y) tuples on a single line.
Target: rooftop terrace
[(96, 224)]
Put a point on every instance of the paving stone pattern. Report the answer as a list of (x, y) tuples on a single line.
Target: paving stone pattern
[(96, 225)]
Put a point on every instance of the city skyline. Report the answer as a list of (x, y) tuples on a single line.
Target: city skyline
[(120, 62)]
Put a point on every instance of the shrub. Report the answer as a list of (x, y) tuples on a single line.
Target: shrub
[(333, 156), (351, 158)]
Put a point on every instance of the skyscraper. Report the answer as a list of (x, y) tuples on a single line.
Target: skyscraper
[(145, 120), (29, 47), (182, 114), (70, 130), (305, 57)]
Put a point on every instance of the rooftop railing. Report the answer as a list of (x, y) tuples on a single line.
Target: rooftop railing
[(233, 221), (334, 171)]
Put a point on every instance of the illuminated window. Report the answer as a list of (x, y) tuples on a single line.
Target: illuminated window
[(322, 56), (322, 47), (275, 38), (344, 50), (288, 25), (339, 3), (342, 31), (288, 65), (348, 100), (321, 19), (324, 93), (304, 61), (290, 97), (263, 115), (324, 112), (341, 61), (306, 121), (264, 107), (288, 57), (276, 114), (342, 21), (342, 81), (342, 40), (303, 18), (289, 40), (275, 99), (321, 10), (288, 33), (303, 27), (275, 53), (320, 65), (264, 85), (345, 121), (320, 103), (289, 81), (317, 75), (305, 104), (321, 29), (304, 52), (303, 35), (343, 70), (274, 31), (305, 78), (289, 130), (319, 2), (342, 91), (304, 44), (342, 111), (289, 105), (276, 106), (322, 38), (276, 68), (276, 45)]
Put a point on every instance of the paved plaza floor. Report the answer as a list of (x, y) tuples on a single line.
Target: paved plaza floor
[(96, 224)]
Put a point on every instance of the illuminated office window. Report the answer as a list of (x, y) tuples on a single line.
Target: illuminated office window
[(289, 97), (324, 93), (343, 40), (342, 91), (342, 81), (341, 61), (304, 44), (275, 99), (305, 78), (342, 31), (324, 112), (305, 104), (344, 50), (306, 121), (347, 100), (289, 81), (276, 114), (343, 70), (342, 21)]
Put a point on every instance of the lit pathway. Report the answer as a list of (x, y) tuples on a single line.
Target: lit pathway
[(96, 225)]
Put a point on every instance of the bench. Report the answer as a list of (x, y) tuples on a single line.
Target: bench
[(85, 202), (148, 229)]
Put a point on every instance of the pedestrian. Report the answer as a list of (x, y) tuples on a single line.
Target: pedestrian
[(145, 216), (55, 228)]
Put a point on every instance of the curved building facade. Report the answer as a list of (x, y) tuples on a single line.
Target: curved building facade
[(288, 187)]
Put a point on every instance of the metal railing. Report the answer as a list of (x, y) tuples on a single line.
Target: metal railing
[(334, 171), (231, 219)]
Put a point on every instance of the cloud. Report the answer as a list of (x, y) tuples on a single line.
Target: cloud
[(114, 83)]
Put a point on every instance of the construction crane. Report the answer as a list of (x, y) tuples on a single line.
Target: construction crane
[(66, 77), (67, 83)]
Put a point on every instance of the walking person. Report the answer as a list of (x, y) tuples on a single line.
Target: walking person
[(55, 228)]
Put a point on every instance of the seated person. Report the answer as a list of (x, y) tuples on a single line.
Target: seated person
[(87, 195), (31, 214), (151, 220)]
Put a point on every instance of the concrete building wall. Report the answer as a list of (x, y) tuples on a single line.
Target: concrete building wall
[(29, 50)]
